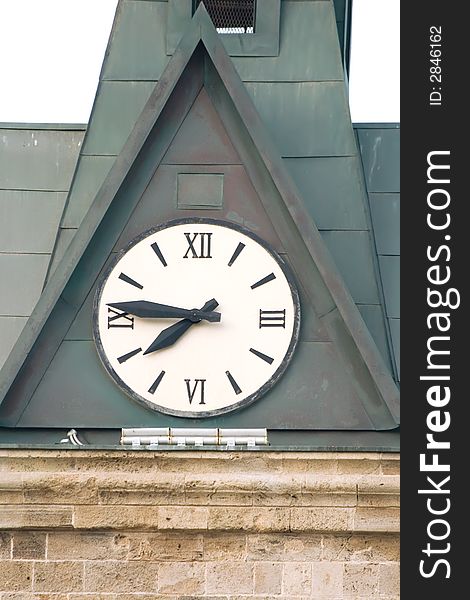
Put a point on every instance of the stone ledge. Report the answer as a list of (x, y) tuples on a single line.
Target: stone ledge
[(198, 491)]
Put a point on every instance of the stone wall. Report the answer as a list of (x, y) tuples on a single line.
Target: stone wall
[(123, 525)]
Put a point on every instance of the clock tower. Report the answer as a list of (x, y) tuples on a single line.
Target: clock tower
[(205, 394)]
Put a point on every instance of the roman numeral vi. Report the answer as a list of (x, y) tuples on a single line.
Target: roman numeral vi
[(192, 391)]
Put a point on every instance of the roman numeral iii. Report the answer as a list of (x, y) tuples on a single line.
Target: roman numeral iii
[(199, 244), (197, 386), (272, 318), (119, 318)]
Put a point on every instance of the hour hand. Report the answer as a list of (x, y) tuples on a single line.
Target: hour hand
[(146, 309), (167, 337)]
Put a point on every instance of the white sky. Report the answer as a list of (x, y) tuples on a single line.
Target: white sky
[(51, 53)]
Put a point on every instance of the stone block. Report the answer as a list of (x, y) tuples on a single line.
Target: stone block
[(110, 576), (267, 578), (389, 579), (224, 546), (115, 517), (227, 577), (360, 579), (266, 546), (165, 546), (84, 596), (32, 517), (284, 547), (361, 548), (181, 578), (327, 499), (28, 545), (327, 580), (249, 519), (360, 464), (16, 576), (390, 464), (11, 496), (5, 545), (322, 519), (64, 576), (297, 579), (63, 488), (378, 500), (182, 517), (377, 519), (78, 545), (39, 596), (302, 548)]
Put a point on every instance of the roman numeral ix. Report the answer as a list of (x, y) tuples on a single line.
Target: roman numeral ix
[(272, 318), (199, 244), (119, 318), (192, 391)]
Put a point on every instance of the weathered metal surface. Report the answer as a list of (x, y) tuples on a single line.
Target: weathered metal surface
[(29, 220), (325, 400), (379, 145), (10, 329), (343, 13), (373, 316), (137, 49), (199, 191), (240, 204), (390, 269), (115, 112), (352, 254), (64, 238), (368, 387), (299, 59), (380, 151), (323, 283), (89, 177), (332, 190), (306, 119), (22, 277), (38, 160), (268, 156), (187, 86), (385, 209), (202, 138), (395, 329)]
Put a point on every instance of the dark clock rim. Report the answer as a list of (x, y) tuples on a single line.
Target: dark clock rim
[(286, 269)]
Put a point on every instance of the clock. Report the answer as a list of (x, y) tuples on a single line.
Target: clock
[(196, 317)]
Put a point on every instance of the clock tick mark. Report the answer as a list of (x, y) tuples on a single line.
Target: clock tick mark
[(266, 279), (129, 355), (158, 252), (264, 357), (156, 383), (236, 254), (127, 279), (236, 387)]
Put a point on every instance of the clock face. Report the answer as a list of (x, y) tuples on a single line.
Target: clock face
[(196, 318)]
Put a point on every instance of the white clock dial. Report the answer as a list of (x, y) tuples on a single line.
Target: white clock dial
[(231, 352)]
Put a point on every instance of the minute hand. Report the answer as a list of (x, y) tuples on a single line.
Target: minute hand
[(146, 309)]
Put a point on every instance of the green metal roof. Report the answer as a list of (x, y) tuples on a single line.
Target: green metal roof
[(319, 151)]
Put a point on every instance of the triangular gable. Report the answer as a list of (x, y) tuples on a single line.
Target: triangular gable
[(154, 131)]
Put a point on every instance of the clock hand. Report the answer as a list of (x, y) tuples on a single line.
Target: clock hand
[(167, 337), (143, 308)]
